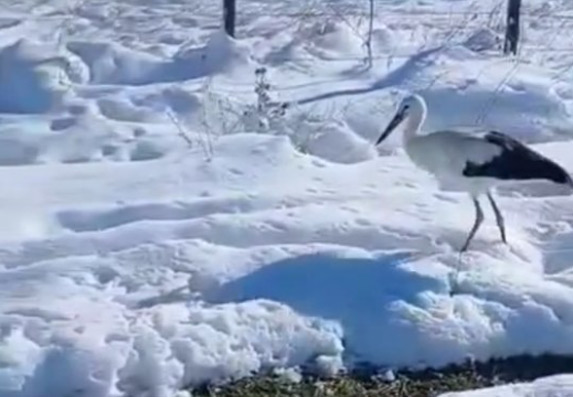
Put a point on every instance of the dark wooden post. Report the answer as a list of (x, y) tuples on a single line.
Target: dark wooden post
[(512, 28), (229, 16), (370, 61)]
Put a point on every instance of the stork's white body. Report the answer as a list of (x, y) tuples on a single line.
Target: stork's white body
[(445, 155)]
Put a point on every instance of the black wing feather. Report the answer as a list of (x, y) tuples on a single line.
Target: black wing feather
[(516, 161)]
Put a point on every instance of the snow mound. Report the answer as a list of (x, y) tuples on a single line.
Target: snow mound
[(220, 54), (30, 78), (383, 39), (325, 40), (483, 40), (111, 63), (330, 39), (334, 288), (336, 142)]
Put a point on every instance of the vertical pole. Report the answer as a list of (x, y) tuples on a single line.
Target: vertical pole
[(512, 28), (229, 16), (370, 31)]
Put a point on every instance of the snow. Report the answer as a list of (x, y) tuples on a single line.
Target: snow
[(159, 232), (558, 385)]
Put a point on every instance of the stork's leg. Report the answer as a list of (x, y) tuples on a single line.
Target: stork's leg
[(498, 218), (475, 227)]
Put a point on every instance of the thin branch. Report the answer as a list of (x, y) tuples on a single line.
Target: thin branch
[(179, 127)]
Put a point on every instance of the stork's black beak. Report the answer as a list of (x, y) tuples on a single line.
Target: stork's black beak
[(398, 118)]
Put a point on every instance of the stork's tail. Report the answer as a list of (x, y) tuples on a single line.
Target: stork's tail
[(560, 175)]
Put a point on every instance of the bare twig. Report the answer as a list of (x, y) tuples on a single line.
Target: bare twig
[(174, 119), (489, 105)]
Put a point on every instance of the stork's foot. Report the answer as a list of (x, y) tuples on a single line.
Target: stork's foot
[(455, 282), (454, 292), (504, 239)]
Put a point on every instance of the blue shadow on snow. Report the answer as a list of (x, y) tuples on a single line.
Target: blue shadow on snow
[(366, 295)]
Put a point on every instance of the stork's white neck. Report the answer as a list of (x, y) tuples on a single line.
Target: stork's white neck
[(413, 124)]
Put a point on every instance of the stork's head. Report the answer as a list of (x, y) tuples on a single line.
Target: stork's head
[(411, 106)]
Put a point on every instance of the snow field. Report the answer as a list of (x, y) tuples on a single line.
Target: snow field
[(133, 264)]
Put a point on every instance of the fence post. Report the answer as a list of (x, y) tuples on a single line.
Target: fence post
[(229, 16), (370, 60), (512, 28)]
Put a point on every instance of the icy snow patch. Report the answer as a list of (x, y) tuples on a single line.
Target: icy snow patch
[(552, 386)]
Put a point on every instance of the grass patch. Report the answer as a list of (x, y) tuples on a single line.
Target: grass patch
[(344, 386), (426, 383)]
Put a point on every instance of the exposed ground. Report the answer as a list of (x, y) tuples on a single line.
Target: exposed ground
[(427, 383)]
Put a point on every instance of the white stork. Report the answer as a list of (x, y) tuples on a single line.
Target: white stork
[(475, 163)]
